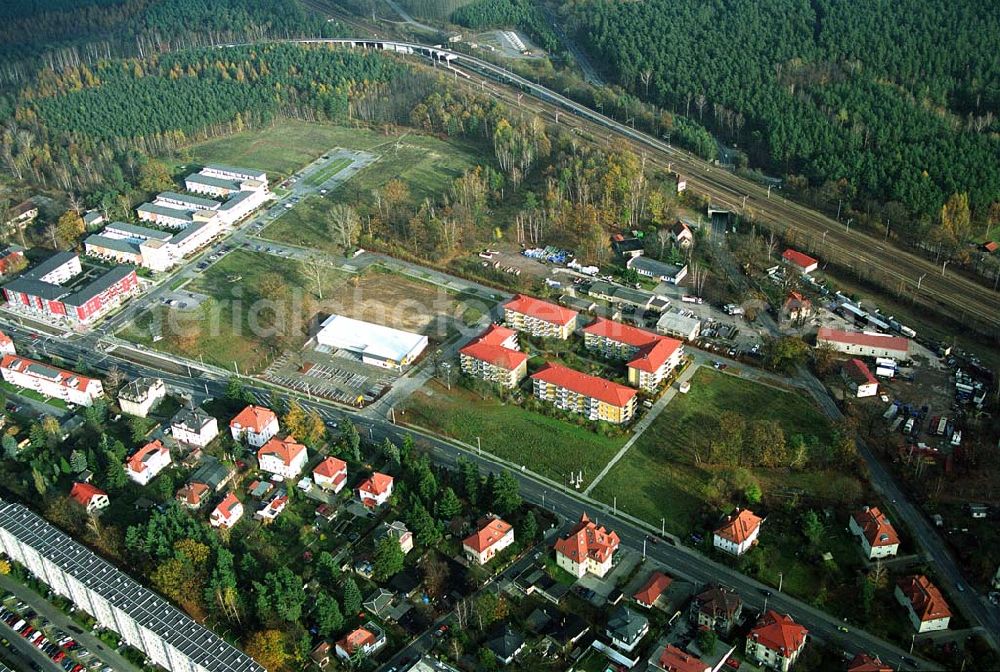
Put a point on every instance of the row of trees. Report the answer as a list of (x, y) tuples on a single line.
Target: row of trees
[(825, 90)]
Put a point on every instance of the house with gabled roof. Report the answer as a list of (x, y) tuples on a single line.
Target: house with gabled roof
[(717, 608), (194, 427), (626, 628), (651, 591), (285, 457), (89, 497), (375, 490), (192, 495), (738, 533), (147, 462), (878, 536), (492, 537), (368, 639), (800, 261), (506, 644), (924, 603), (864, 662), (796, 309), (776, 641), (588, 548), (227, 513), (673, 659), (273, 508), (256, 424), (538, 318), (330, 474)]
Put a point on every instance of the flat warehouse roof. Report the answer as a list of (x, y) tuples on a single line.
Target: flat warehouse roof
[(148, 609), (373, 340)]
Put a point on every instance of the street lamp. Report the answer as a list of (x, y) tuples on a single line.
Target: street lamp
[(479, 445), (944, 266)]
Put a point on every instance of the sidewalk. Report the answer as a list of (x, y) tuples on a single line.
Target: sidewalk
[(61, 620)]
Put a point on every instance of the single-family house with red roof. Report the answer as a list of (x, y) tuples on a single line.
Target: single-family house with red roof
[(878, 536), (588, 548), (796, 309), (285, 457), (256, 424), (227, 513), (494, 535), (89, 497), (651, 591), (192, 495), (7, 344), (776, 641), (368, 639), (864, 662), (738, 533), (539, 318), (673, 659), (147, 462), (924, 603), (375, 490), (273, 508), (331, 474)]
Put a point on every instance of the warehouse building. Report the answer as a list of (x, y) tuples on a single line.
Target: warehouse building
[(864, 344), (651, 268), (376, 345), (145, 620), (679, 326)]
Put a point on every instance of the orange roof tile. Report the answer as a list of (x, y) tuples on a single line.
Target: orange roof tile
[(859, 338), (496, 334), (653, 357), (356, 639), (376, 484), (286, 449), (876, 527), (739, 528), (505, 358), (192, 493), (137, 463), (779, 633), (587, 385), (490, 533), (587, 540), (542, 310), (654, 351), (859, 372), (225, 507), (65, 378), (798, 258), (254, 418), (84, 492), (676, 660), (330, 467), (866, 663), (653, 588), (924, 597)]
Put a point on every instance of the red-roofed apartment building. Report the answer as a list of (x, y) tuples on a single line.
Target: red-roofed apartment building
[(256, 424), (587, 548), (859, 378), (652, 590), (375, 490), (651, 357), (924, 602), (368, 639), (866, 663), (50, 381), (738, 533), (147, 462), (878, 537), (495, 356), (539, 318), (227, 513), (776, 641), (284, 457), (864, 344), (331, 474), (576, 392), (493, 536), (803, 262), (7, 344), (91, 498), (677, 660)]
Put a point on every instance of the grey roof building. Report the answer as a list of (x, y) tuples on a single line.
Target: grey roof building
[(626, 628), (657, 269), (145, 620), (506, 644)]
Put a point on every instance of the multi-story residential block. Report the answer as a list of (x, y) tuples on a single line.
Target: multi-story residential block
[(878, 536), (924, 603), (540, 319), (147, 462), (141, 395), (493, 536), (597, 399), (776, 641), (717, 608), (227, 513), (255, 424), (50, 381), (651, 357), (588, 548), (330, 474), (375, 490), (235, 173), (89, 497), (39, 291), (146, 621), (496, 357), (7, 345), (369, 639), (194, 426), (738, 533), (285, 457)]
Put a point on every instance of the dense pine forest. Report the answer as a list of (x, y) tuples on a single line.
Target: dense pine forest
[(868, 103)]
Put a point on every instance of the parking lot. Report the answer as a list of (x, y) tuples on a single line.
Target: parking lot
[(336, 375)]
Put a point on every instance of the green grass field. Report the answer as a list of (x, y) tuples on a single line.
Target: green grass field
[(425, 164), (282, 148), (549, 446), (232, 325), (659, 477), (321, 176)]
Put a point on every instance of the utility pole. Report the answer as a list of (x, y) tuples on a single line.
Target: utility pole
[(616, 505), (944, 266), (644, 548), (781, 579), (663, 527), (919, 280), (886, 228), (849, 220), (840, 202), (479, 445), (769, 191), (392, 412)]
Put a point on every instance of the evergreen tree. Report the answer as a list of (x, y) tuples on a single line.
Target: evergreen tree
[(391, 451), (77, 461), (425, 530), (352, 597), (506, 494), (388, 559), (448, 506), (327, 615), (529, 528)]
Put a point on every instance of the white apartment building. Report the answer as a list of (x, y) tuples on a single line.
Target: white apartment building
[(144, 620), (194, 426), (284, 457), (48, 380), (147, 462), (255, 424), (141, 395)]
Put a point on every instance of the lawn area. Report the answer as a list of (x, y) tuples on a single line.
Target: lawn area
[(235, 324), (282, 148), (659, 477), (549, 446), (425, 164), (321, 176), (31, 394)]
